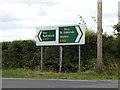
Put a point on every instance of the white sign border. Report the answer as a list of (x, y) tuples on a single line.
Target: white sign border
[(55, 43)]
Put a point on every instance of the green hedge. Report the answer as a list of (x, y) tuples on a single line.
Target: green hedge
[(25, 54)]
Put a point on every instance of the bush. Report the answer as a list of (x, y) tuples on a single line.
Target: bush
[(25, 54)]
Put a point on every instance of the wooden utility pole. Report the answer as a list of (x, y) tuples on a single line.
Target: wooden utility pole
[(99, 35), (119, 12)]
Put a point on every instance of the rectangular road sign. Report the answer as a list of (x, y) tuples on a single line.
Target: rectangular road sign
[(70, 34), (60, 35), (47, 35)]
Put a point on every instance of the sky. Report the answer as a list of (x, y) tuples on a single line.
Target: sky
[(19, 18)]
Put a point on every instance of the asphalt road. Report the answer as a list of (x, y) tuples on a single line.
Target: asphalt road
[(43, 83)]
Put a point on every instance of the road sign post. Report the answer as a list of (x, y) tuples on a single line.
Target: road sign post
[(60, 67), (79, 59), (60, 35), (41, 58)]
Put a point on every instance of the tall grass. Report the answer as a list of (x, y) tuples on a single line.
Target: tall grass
[(26, 73)]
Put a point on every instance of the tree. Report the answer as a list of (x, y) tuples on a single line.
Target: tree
[(117, 28)]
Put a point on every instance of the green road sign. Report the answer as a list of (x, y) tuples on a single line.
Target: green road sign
[(70, 34), (60, 35), (47, 35)]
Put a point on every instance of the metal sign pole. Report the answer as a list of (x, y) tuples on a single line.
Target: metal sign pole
[(41, 58), (61, 49), (79, 59)]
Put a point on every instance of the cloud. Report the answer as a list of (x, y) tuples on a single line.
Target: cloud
[(15, 15), (27, 1), (25, 15), (18, 34), (20, 11), (13, 25)]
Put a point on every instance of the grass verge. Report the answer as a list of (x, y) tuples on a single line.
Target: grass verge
[(25, 73)]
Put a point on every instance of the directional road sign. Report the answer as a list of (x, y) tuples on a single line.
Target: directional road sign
[(70, 34), (47, 35), (60, 35)]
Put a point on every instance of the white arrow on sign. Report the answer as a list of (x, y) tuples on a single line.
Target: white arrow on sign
[(79, 34), (39, 35)]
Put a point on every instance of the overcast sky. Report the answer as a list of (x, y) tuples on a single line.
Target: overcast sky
[(19, 18)]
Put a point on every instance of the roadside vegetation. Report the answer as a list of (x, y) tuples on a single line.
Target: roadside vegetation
[(33, 74), (26, 55)]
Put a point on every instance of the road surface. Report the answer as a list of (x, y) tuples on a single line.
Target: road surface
[(45, 83)]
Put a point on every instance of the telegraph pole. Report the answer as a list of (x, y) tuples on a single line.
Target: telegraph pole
[(99, 35), (119, 12)]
